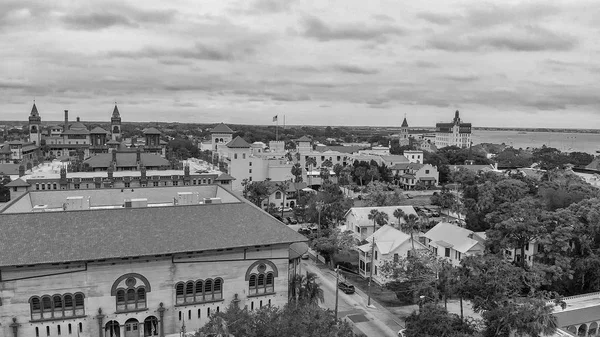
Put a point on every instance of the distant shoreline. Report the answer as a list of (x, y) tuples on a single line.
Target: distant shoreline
[(537, 130)]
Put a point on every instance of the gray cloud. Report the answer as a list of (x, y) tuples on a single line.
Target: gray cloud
[(199, 51), (353, 69), (488, 14), (272, 6), (437, 18), (383, 17), (521, 38), (95, 21), (319, 30), (426, 64)]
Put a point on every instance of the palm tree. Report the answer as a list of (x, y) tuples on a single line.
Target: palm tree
[(337, 170), (283, 187), (310, 161), (297, 172), (305, 289), (410, 226), (399, 214)]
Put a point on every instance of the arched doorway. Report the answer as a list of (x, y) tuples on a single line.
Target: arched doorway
[(132, 328), (112, 329), (151, 326), (292, 204)]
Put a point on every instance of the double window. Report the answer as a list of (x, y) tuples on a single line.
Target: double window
[(131, 299), (57, 306), (199, 291), (261, 283)]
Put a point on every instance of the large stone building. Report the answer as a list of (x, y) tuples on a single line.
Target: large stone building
[(73, 139), (456, 133), (136, 263)]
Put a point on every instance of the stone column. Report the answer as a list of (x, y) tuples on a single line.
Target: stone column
[(161, 320), (100, 318), (15, 327)]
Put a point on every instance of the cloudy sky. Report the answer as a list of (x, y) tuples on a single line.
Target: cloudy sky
[(324, 62)]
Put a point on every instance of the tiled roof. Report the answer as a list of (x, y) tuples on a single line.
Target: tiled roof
[(151, 131), (128, 159), (221, 128), (304, 139), (98, 130), (224, 176), (412, 166), (53, 237), (10, 169), (238, 142), (18, 183), (457, 237)]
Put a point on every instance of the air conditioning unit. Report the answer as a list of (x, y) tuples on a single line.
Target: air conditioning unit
[(136, 203), (212, 200), (76, 204), (186, 198)]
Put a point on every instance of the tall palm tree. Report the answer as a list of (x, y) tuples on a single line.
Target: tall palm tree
[(410, 226), (310, 161), (283, 187), (306, 289), (399, 214)]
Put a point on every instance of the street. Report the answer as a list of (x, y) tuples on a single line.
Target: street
[(374, 321)]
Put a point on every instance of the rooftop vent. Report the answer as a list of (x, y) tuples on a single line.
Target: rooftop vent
[(212, 200), (77, 203)]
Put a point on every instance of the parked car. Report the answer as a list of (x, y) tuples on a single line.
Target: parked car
[(346, 287), (278, 217), (291, 220), (305, 256), (285, 209), (304, 231)]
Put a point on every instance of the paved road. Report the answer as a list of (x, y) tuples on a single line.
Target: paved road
[(375, 321)]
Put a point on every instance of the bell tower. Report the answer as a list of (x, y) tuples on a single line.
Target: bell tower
[(35, 124), (115, 124)]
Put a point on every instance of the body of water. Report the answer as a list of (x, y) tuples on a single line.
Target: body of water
[(564, 141)]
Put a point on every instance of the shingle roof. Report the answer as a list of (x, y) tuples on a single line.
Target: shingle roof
[(221, 128), (52, 237), (304, 139), (128, 159), (238, 142), (388, 238), (18, 183), (98, 130), (457, 237), (151, 131), (224, 176)]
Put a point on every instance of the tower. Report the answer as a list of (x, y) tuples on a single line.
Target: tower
[(35, 123), (115, 124), (404, 129)]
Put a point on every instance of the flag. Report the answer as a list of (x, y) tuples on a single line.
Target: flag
[(275, 118)]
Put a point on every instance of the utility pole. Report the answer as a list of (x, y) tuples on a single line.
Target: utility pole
[(337, 289)]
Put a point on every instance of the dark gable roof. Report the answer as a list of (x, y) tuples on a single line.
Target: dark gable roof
[(238, 142), (18, 183), (224, 176), (10, 169), (98, 130), (304, 139), (404, 123), (151, 131), (53, 237), (221, 128)]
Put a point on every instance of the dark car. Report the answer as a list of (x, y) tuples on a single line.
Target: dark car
[(278, 217), (304, 231), (292, 220), (346, 287)]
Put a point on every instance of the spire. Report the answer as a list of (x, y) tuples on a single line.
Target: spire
[(116, 111), (404, 123), (34, 111), (456, 117)]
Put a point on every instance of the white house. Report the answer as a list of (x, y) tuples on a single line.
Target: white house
[(453, 242), (357, 219), (390, 244), (410, 174)]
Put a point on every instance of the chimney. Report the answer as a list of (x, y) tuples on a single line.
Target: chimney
[(78, 118), (66, 120)]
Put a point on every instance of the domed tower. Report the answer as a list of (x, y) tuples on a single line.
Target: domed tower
[(35, 124), (115, 124)]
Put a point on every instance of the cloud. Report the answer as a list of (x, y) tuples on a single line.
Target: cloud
[(95, 21), (199, 51), (353, 69), (487, 14), (272, 6), (437, 18), (528, 38), (426, 64), (317, 29), (119, 16), (383, 17)]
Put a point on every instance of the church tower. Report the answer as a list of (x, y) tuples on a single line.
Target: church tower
[(35, 124), (404, 129), (115, 124)]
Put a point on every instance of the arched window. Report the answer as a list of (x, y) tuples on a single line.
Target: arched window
[(141, 295), (130, 291), (121, 297), (277, 195), (199, 288), (252, 285), (130, 295), (57, 299), (208, 290), (79, 310), (218, 289), (189, 291), (179, 292), (36, 308), (261, 278), (269, 286), (46, 307)]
